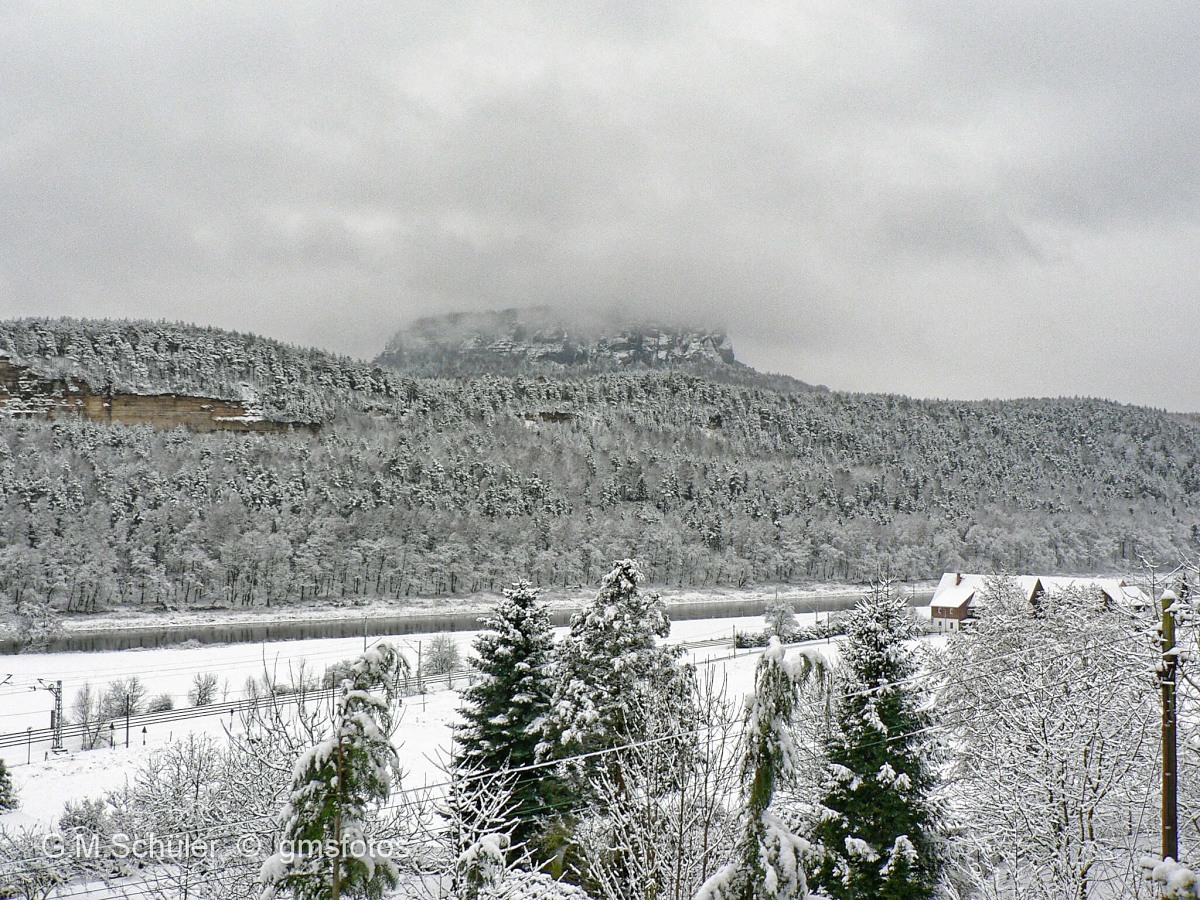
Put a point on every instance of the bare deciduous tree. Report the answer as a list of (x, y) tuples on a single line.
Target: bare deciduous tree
[(1054, 723), (664, 812)]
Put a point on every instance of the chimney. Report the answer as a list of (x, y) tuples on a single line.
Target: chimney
[(957, 578)]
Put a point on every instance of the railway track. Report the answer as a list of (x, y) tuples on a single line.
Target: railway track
[(135, 723)]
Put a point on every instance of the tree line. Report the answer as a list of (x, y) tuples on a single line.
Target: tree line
[(446, 486)]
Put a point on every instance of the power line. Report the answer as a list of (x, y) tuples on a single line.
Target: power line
[(944, 724), (17, 738), (1014, 699)]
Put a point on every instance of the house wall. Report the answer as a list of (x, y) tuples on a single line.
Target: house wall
[(948, 618)]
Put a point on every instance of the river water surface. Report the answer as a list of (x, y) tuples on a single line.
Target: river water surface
[(408, 623)]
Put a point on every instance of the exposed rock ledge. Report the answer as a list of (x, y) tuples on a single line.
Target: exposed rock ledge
[(26, 395)]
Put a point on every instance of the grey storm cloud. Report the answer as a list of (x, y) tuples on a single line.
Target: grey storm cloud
[(935, 198)]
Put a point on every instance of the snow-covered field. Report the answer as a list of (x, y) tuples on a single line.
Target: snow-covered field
[(45, 783)]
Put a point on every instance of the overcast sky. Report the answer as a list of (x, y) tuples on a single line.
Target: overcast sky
[(935, 197)]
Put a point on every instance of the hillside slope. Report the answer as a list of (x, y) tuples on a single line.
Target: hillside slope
[(439, 486), (285, 383)]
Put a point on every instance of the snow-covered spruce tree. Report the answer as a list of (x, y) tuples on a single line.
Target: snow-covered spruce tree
[(503, 711), (611, 678), (8, 795), (325, 852), (609, 669), (876, 829), (769, 857)]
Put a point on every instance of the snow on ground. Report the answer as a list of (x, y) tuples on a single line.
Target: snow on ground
[(45, 786), (45, 783), (389, 608)]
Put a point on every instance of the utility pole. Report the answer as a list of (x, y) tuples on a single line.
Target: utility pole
[(1170, 774), (56, 716), (57, 743)]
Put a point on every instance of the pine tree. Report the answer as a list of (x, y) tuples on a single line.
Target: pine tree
[(769, 856), (877, 829), (504, 710), (8, 794), (325, 853)]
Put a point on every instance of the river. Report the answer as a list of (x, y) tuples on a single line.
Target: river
[(408, 623)]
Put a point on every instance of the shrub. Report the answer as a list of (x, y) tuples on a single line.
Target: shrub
[(830, 628), (124, 697), (89, 815), (336, 674), (204, 689), (441, 656)]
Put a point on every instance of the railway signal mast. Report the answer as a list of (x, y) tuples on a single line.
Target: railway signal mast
[(56, 716)]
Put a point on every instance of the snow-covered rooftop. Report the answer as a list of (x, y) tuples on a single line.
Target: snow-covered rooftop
[(954, 597), (957, 589)]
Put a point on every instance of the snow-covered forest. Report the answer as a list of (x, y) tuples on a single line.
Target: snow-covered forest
[(292, 384), (438, 486)]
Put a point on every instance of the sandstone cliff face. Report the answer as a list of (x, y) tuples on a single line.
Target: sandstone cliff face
[(26, 395)]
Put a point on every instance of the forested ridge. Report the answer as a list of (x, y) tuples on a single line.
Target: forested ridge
[(283, 382), (444, 486)]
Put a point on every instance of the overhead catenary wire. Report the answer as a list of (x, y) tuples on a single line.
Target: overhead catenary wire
[(812, 705), (17, 738), (269, 663), (225, 662), (281, 657), (14, 740), (873, 689), (20, 738)]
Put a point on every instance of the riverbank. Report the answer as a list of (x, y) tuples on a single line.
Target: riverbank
[(129, 628), (134, 617)]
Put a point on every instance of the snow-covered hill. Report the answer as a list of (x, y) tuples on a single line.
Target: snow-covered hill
[(281, 382), (540, 340)]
